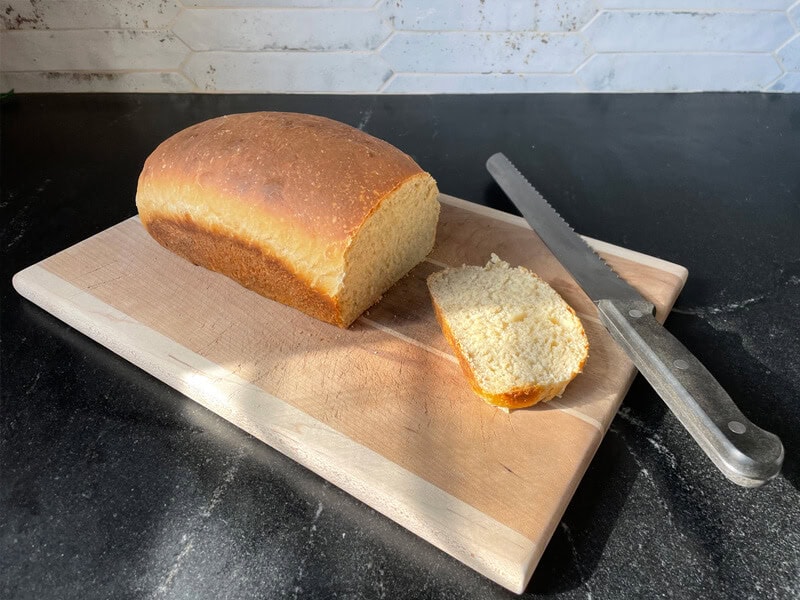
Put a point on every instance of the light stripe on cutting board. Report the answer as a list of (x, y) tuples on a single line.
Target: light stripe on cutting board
[(410, 340), (576, 413), (437, 263), (476, 539)]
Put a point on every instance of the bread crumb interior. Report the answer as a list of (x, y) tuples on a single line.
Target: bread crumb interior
[(513, 329), (395, 238)]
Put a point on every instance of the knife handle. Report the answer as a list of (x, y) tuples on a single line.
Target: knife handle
[(745, 453)]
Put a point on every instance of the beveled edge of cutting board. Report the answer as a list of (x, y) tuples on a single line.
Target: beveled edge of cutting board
[(505, 556)]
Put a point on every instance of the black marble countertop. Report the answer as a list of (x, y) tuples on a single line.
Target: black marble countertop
[(113, 485)]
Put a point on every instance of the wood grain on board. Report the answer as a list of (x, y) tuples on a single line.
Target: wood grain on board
[(380, 409)]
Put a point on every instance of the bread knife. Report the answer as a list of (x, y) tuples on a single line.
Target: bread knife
[(746, 454)]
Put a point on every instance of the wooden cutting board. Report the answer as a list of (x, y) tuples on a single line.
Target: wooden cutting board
[(381, 409)]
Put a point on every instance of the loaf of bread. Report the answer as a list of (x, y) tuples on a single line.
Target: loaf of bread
[(517, 340), (304, 210)]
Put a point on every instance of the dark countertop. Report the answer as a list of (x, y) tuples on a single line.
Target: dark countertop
[(113, 485)]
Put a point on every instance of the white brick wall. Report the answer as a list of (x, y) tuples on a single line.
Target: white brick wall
[(399, 46)]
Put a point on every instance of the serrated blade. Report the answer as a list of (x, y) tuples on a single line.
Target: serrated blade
[(591, 272)]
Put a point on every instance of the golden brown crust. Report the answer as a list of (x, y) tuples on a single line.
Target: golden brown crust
[(245, 264), (516, 398), (318, 175), (277, 201)]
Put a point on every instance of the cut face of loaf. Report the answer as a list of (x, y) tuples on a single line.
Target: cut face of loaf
[(518, 342), (304, 210)]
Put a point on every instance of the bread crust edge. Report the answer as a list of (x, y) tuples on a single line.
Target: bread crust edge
[(256, 269)]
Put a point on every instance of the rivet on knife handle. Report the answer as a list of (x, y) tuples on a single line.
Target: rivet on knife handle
[(746, 454)]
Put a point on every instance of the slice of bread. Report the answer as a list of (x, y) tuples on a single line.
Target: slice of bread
[(517, 340)]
